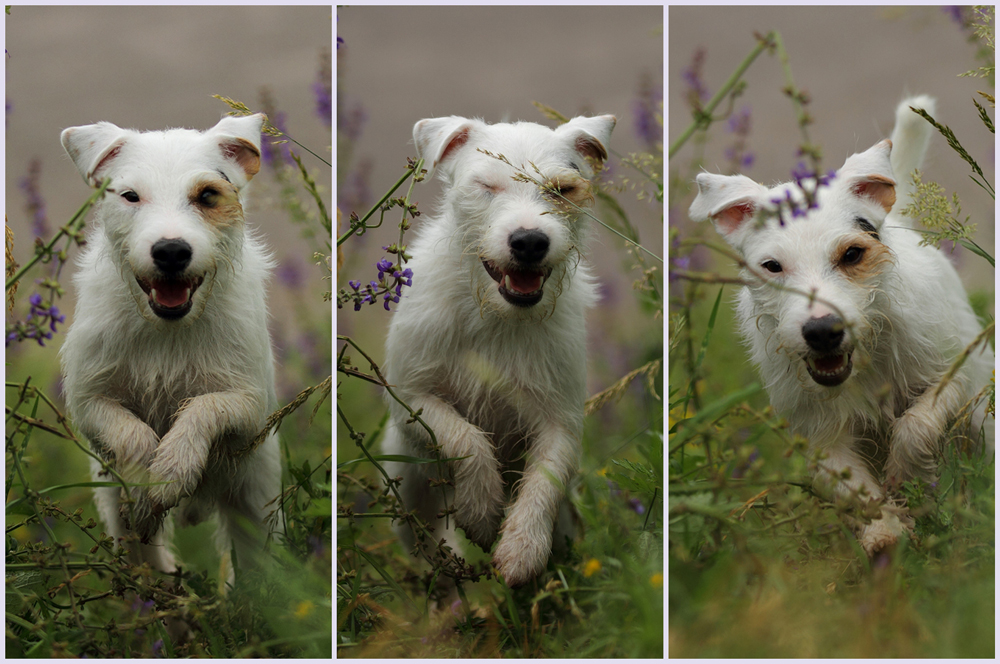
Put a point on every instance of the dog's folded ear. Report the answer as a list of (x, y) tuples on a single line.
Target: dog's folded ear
[(239, 140), (730, 201), (869, 175), (438, 138), (92, 147), (592, 136)]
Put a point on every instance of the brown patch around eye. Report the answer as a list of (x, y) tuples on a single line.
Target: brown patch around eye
[(861, 257), (571, 187), (218, 202)]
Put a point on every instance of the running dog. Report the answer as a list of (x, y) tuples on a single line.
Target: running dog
[(167, 366), (852, 323), (490, 346)]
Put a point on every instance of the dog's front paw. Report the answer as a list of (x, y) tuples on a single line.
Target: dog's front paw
[(142, 515), (479, 506), (521, 555), (884, 532), (912, 446), (175, 472)]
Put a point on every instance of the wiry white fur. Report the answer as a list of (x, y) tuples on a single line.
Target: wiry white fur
[(906, 318), (494, 381), (173, 401)]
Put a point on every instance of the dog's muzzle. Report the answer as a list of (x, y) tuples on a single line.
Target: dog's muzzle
[(521, 283), (829, 364), (170, 294)]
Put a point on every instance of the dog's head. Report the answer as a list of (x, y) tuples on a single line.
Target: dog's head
[(173, 214), (515, 191), (814, 274)]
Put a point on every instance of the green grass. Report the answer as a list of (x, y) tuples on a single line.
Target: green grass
[(779, 574)]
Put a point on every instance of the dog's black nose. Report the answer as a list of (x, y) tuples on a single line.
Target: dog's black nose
[(528, 246), (825, 334), (171, 256)]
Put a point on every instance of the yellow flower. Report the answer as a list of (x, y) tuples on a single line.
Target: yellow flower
[(656, 580), (592, 567), (304, 609)]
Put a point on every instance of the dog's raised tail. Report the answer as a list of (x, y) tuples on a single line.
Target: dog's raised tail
[(910, 138)]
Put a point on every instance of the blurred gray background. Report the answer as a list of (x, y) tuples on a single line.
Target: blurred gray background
[(856, 63)]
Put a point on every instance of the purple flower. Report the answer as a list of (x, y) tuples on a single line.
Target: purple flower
[(351, 121), (354, 284), (290, 274), (739, 122), (647, 110), (273, 149), (323, 90), (39, 324), (383, 266), (954, 12), (692, 76), (36, 204)]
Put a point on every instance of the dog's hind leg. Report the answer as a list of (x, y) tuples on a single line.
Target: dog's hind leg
[(248, 510), (419, 493), (478, 496), (109, 504)]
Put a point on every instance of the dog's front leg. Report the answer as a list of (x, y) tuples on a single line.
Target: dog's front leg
[(183, 452), (478, 485), (526, 536), (117, 435), (916, 434), (842, 474)]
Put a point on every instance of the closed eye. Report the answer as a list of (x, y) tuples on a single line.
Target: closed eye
[(491, 189)]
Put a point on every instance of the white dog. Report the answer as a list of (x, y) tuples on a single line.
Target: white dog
[(168, 366), (851, 322), (490, 346)]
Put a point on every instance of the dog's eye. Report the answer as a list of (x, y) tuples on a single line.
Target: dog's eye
[(771, 266), (208, 197), (131, 196), (852, 256)]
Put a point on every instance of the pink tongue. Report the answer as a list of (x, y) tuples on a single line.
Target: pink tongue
[(829, 363), (171, 293), (524, 282)]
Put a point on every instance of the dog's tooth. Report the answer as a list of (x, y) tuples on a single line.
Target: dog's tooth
[(506, 279)]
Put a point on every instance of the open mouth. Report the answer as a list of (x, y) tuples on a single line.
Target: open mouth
[(829, 370), (170, 299), (522, 288)]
